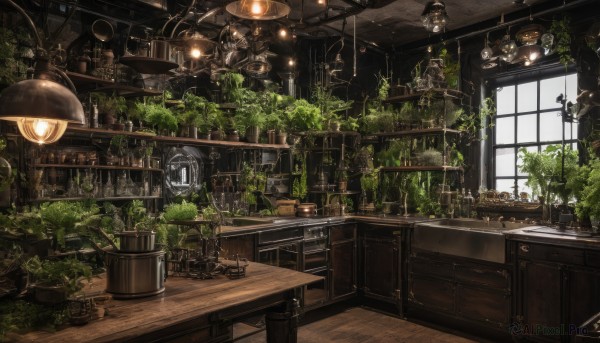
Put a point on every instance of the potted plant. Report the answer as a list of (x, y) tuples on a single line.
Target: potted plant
[(54, 282), (304, 116), (231, 83), (161, 118), (111, 107), (185, 211), (250, 118), (65, 220), (330, 107)]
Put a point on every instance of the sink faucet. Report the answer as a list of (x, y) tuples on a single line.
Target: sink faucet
[(500, 218), (486, 220)]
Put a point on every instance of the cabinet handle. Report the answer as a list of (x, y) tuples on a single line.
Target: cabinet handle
[(524, 248)]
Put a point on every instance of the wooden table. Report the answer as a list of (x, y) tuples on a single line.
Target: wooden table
[(191, 310)]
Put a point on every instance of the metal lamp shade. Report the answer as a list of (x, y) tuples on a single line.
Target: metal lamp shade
[(41, 108), (258, 9)]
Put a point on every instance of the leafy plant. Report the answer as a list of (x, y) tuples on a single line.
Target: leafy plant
[(561, 30), (21, 315), (112, 105), (588, 205), (305, 116), (471, 123), (11, 67), (118, 145), (329, 104), (65, 272), (369, 182), (451, 68), (181, 212), (231, 83), (299, 186), (544, 172), (160, 117), (67, 217)]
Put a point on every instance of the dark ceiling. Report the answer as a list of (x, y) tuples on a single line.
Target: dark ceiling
[(383, 24)]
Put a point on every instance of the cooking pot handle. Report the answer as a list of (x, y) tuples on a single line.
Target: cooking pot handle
[(164, 267)]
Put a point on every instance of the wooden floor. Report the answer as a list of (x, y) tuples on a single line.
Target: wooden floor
[(361, 325)]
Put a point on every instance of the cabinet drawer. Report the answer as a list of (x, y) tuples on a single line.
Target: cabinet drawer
[(484, 275), (551, 253), (484, 305), (431, 292), (427, 266), (559, 254)]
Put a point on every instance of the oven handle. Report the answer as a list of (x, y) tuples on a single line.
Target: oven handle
[(310, 252)]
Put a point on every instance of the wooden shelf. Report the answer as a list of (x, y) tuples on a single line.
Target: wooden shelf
[(420, 168), (83, 79), (329, 133), (420, 132), (148, 65), (451, 93), (132, 197), (208, 142), (173, 140), (89, 166), (128, 91), (109, 133), (335, 193)]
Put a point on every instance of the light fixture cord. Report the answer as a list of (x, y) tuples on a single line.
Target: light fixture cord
[(354, 39), (183, 17)]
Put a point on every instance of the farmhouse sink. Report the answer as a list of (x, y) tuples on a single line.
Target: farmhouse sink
[(469, 238)]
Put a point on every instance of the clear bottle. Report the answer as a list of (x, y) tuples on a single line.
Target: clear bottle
[(467, 204)]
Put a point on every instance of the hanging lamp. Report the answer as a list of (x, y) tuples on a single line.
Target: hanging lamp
[(434, 16), (41, 108), (258, 9)]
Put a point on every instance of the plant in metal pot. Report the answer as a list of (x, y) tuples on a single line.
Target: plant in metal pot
[(55, 281), (231, 84), (330, 106)]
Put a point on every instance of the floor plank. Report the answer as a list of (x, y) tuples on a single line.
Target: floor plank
[(361, 325)]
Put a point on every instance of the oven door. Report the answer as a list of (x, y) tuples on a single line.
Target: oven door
[(285, 255), (317, 293), (315, 259)]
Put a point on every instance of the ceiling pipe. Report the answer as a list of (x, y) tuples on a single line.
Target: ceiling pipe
[(498, 26)]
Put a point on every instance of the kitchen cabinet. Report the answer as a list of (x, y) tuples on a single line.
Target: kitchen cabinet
[(558, 290), (342, 269), (243, 246), (475, 293), (380, 263)]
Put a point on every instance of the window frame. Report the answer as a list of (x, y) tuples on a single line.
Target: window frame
[(515, 78)]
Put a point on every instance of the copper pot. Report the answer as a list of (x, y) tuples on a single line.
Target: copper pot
[(306, 210)]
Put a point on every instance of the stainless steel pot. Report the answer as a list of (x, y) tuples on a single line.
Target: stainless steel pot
[(160, 49), (135, 275), (136, 241), (306, 210)]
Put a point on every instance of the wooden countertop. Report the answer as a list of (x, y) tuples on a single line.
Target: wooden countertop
[(185, 303)]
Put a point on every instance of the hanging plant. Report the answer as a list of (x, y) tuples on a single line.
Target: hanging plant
[(562, 36)]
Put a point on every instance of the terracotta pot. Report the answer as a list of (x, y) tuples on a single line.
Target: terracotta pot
[(281, 138)]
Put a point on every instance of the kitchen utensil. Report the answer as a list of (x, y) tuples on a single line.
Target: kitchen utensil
[(135, 275), (136, 241), (306, 210)]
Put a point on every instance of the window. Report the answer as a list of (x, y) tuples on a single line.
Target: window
[(528, 116)]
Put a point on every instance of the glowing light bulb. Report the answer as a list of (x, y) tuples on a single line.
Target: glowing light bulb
[(195, 53), (533, 56), (291, 62), (321, 2), (256, 8), (283, 32), (40, 127)]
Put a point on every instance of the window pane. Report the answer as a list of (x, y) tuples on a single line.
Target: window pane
[(520, 161), (550, 126), (523, 188), (505, 162), (549, 90), (505, 100), (527, 128), (505, 130), (571, 130), (572, 87), (527, 95), (504, 185)]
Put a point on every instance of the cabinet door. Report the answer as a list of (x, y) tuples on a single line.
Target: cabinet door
[(343, 269), (483, 304), (583, 295), (380, 267), (541, 295), (431, 292), (243, 246)]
